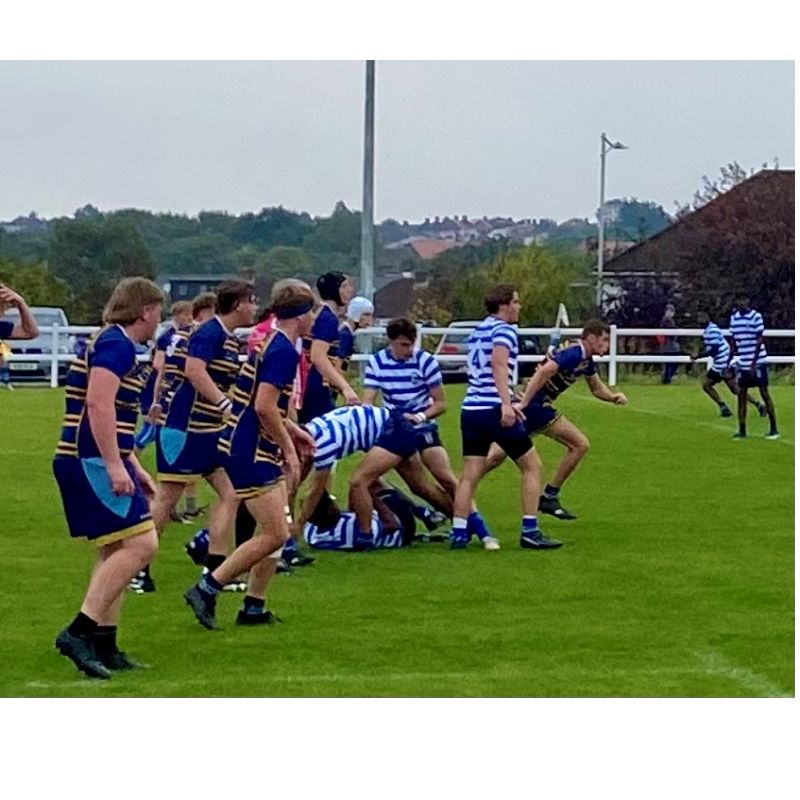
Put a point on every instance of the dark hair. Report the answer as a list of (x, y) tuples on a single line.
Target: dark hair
[(401, 327), (231, 293), (202, 302), (595, 327), (326, 513), (741, 296), (328, 286), (500, 295)]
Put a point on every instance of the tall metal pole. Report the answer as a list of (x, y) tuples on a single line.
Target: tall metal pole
[(367, 283), (601, 223)]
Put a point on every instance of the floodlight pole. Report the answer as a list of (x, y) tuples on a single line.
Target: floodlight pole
[(605, 146), (367, 283)]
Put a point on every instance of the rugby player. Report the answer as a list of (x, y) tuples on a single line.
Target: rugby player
[(104, 490), (488, 417), (260, 453), (27, 327)]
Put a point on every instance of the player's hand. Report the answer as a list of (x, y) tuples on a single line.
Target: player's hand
[(351, 398), (147, 483), (303, 441), (508, 416), (620, 399), (9, 296), (154, 413), (121, 482)]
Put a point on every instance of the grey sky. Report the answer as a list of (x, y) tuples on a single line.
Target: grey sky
[(510, 138)]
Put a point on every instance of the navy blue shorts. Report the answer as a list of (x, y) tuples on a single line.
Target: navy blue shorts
[(315, 404), (715, 376), (183, 457), (480, 429), (398, 436), (93, 511), (754, 380), (251, 478), (427, 436), (537, 418)]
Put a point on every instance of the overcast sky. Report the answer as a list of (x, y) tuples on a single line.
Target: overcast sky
[(494, 138)]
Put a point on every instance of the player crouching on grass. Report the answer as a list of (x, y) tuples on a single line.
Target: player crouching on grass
[(554, 376), (104, 489), (260, 448)]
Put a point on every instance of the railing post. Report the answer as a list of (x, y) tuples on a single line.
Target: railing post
[(54, 358), (612, 357)]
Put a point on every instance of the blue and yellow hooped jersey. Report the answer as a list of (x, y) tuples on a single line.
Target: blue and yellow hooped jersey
[(219, 349), (325, 329), (275, 363), (111, 349), (573, 363)]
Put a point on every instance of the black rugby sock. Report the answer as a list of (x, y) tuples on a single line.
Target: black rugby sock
[(82, 625)]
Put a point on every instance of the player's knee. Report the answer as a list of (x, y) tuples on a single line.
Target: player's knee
[(581, 446)]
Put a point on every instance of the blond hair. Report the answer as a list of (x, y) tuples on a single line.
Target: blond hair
[(203, 301), (128, 300), (181, 307), (289, 296)]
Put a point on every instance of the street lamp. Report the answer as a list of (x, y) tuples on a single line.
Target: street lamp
[(606, 145)]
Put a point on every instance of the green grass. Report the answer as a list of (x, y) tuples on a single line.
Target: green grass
[(677, 580)]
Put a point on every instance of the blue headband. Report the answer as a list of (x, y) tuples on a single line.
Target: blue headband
[(297, 311)]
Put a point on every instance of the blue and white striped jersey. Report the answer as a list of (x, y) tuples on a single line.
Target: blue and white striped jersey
[(343, 535), (716, 345), (746, 327), (344, 431), (405, 385), (482, 392)]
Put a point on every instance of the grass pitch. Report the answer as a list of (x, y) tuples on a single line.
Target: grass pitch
[(676, 580)]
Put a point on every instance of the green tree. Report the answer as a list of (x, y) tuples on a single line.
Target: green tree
[(91, 256), (35, 283)]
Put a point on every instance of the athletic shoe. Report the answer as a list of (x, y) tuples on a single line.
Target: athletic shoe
[(197, 547), (538, 541), (142, 584), (433, 520), (724, 411), (118, 661), (300, 559), (762, 410), (81, 652), (772, 435), (490, 543), (459, 542), (552, 505), (235, 586), (738, 435), (203, 605), (283, 567), (267, 618), (196, 513)]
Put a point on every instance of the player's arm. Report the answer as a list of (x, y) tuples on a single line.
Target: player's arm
[(435, 409), (759, 345), (602, 392), (371, 383), (269, 415), (158, 368), (197, 374), (369, 396), (500, 375), (546, 370), (26, 328), (330, 372), (148, 485), (100, 394), (318, 484)]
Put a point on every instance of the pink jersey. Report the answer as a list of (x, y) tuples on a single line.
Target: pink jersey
[(257, 336)]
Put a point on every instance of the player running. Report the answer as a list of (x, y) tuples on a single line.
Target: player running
[(554, 376)]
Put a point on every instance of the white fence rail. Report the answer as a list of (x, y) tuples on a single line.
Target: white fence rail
[(56, 334)]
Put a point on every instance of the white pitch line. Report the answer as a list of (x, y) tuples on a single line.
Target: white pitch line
[(715, 663)]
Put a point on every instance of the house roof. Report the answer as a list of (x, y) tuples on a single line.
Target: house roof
[(427, 249), (658, 253)]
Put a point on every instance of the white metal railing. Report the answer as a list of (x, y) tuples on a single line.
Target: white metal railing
[(614, 358)]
